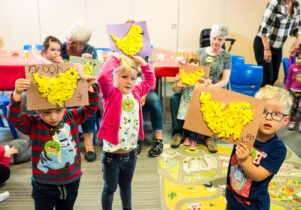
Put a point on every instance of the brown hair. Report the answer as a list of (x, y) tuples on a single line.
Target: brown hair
[(298, 51), (193, 57), (47, 41)]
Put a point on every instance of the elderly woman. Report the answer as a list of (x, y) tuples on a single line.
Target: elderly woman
[(281, 18), (219, 61), (77, 45)]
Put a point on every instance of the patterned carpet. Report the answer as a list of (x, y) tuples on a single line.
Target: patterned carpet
[(196, 180)]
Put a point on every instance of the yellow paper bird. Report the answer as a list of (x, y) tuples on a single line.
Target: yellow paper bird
[(225, 121), (132, 43), (59, 89)]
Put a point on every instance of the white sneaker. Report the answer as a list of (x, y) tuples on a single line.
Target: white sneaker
[(4, 196)]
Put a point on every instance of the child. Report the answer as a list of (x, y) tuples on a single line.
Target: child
[(5, 153), (122, 123), (250, 171), (55, 151), (51, 51), (189, 136), (293, 83)]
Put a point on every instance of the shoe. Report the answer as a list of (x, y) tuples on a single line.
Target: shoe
[(4, 196), (211, 145), (139, 147), (192, 146), (90, 156), (156, 149), (291, 125), (176, 140), (186, 141)]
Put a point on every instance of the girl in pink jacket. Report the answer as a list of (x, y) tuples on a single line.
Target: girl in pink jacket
[(122, 123)]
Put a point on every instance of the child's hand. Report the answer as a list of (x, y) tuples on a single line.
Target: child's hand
[(242, 152), (87, 55), (21, 85), (139, 60), (90, 80), (205, 82), (11, 151), (58, 59), (177, 77), (143, 100)]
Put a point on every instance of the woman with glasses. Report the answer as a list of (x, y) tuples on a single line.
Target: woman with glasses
[(77, 45)]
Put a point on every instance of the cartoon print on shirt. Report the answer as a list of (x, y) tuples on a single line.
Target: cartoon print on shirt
[(240, 182), (60, 153)]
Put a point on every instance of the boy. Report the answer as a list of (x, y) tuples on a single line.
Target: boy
[(55, 152), (250, 172)]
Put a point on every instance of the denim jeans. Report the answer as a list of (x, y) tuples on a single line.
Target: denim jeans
[(89, 125), (190, 134), (118, 169), (47, 196), (174, 108), (153, 103)]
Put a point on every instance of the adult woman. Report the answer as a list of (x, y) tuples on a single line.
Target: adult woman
[(281, 18), (77, 45), (219, 61)]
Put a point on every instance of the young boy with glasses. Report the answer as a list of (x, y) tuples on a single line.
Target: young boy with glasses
[(251, 170)]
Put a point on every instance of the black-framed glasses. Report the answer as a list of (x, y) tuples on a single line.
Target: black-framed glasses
[(275, 115)]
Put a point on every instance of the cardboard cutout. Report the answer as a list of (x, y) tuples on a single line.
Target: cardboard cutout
[(190, 69), (35, 101), (95, 64), (123, 35), (195, 122)]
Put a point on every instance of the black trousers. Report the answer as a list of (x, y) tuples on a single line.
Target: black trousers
[(4, 173), (270, 70)]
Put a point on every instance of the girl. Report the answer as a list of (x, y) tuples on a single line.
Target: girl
[(122, 123), (293, 83), (51, 51), (189, 136)]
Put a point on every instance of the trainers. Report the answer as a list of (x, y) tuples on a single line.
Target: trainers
[(186, 141), (192, 146), (157, 148), (90, 156), (139, 147), (176, 140), (210, 143), (291, 125)]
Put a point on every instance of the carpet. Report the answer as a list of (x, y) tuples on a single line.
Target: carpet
[(196, 180)]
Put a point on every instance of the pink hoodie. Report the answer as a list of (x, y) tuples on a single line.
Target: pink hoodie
[(3, 160), (112, 99)]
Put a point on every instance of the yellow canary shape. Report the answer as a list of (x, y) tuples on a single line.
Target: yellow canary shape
[(59, 89), (132, 43), (225, 121), (192, 78), (88, 70)]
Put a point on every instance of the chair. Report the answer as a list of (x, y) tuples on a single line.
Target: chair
[(104, 49), (38, 47), (4, 101), (286, 64), (246, 78), (236, 59)]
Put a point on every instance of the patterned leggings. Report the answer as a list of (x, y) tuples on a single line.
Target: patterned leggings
[(295, 106)]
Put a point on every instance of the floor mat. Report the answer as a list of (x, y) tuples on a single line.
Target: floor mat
[(196, 180)]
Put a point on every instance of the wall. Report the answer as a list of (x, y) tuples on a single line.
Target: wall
[(172, 24)]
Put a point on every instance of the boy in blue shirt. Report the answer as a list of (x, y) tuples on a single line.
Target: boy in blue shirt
[(250, 171)]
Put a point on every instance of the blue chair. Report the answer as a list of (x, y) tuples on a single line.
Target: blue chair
[(237, 59), (104, 49), (286, 64), (246, 78), (4, 101), (28, 47)]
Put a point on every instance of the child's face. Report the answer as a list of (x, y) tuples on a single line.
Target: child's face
[(298, 60), (52, 116), (126, 80), (269, 125), (53, 51)]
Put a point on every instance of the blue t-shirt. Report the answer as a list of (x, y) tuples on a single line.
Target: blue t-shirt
[(88, 49), (242, 192)]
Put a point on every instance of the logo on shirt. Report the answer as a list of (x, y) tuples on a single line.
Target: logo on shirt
[(298, 77), (209, 59), (128, 105), (52, 147)]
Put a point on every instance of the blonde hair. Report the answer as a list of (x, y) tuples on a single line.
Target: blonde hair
[(192, 56), (126, 63), (280, 95), (80, 31), (217, 30)]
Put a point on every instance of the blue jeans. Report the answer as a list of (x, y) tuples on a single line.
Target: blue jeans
[(174, 108), (47, 196), (118, 169), (89, 125), (153, 103), (190, 134)]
